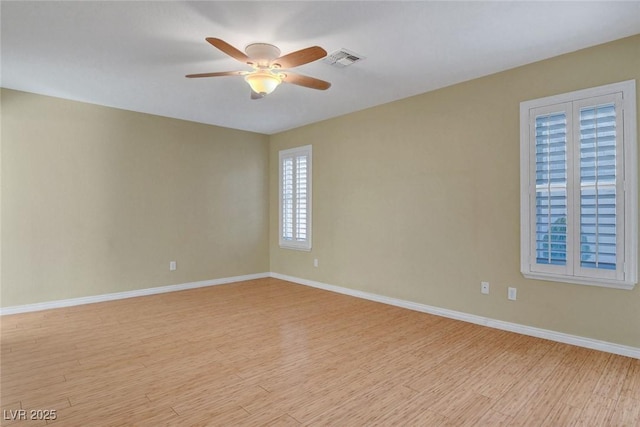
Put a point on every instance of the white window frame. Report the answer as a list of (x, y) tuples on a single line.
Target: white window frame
[(626, 168), (296, 243)]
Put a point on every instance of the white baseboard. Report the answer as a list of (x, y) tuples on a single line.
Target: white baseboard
[(579, 341), (127, 294), (451, 314)]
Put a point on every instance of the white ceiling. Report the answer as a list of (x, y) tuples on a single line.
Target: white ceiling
[(134, 55)]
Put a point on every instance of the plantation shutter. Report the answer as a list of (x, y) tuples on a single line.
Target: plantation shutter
[(599, 126), (287, 198), (295, 198), (551, 188), (578, 182), (301, 198)]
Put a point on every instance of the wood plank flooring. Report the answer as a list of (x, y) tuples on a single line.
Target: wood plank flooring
[(268, 352)]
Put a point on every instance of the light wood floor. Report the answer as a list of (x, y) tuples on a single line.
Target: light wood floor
[(268, 352)]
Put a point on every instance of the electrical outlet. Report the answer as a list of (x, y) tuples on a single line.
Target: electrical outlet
[(512, 293), (484, 288), (315, 262), (173, 266)]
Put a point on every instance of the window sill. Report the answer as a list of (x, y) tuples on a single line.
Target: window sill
[(295, 247), (604, 283)]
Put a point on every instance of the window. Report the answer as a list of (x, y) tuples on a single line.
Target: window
[(579, 187), (295, 198)]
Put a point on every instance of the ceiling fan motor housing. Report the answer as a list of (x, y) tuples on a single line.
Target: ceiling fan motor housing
[(262, 53)]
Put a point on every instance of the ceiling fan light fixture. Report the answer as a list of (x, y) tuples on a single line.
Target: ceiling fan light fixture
[(263, 82)]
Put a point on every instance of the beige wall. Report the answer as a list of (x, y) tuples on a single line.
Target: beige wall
[(97, 200), (419, 200)]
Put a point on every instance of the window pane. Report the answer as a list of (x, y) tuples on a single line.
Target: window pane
[(598, 187), (551, 189)]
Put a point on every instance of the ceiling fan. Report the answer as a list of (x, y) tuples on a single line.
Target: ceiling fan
[(267, 63)]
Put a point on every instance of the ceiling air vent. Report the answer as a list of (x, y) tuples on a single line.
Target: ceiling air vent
[(342, 58)]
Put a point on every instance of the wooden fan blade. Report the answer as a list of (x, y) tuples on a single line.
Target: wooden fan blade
[(300, 57), (228, 49), (306, 81), (255, 95), (220, 73)]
